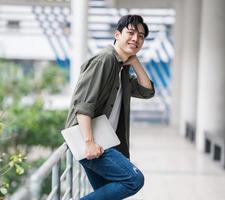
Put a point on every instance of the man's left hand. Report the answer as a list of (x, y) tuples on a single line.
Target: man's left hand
[(132, 60)]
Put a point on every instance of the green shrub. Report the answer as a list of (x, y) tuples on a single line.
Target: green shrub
[(23, 126), (32, 125)]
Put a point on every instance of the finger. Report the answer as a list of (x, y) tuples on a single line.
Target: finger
[(102, 150), (92, 157), (99, 153), (89, 156)]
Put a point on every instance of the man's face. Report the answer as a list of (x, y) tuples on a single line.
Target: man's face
[(131, 39)]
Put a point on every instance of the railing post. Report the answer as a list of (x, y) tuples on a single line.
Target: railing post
[(69, 176), (76, 180), (82, 182), (56, 180), (35, 188)]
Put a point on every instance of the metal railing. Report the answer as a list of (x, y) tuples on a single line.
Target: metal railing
[(71, 183)]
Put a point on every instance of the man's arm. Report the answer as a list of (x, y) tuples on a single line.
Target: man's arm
[(89, 86), (142, 76), (141, 86), (92, 150)]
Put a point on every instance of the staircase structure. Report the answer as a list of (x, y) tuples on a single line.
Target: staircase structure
[(44, 27)]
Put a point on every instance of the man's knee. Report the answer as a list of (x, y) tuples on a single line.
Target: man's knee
[(136, 182), (140, 180)]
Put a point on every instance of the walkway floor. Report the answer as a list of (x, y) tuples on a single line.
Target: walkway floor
[(173, 168)]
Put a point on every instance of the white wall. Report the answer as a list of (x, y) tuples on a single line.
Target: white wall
[(189, 63), (211, 96)]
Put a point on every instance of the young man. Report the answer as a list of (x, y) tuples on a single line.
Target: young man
[(105, 87)]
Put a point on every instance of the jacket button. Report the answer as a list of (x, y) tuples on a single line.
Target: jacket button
[(117, 87), (111, 105)]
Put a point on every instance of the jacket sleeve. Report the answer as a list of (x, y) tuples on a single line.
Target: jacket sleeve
[(139, 91), (89, 85)]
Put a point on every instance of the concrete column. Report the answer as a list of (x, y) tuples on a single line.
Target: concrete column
[(176, 67), (189, 63), (211, 95), (79, 35)]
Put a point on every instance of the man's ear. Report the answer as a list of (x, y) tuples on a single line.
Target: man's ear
[(117, 35)]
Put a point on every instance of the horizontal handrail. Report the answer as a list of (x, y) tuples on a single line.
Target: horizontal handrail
[(32, 188), (44, 170)]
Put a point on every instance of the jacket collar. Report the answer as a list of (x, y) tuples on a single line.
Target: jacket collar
[(115, 54)]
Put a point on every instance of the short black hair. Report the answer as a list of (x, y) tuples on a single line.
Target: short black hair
[(132, 20)]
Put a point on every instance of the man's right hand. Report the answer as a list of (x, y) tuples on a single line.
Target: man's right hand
[(93, 150)]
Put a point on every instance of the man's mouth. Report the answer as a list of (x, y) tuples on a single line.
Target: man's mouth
[(133, 45)]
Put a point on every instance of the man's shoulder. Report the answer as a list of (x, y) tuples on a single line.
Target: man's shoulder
[(103, 59), (105, 55)]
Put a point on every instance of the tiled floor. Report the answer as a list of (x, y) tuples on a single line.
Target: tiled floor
[(173, 168)]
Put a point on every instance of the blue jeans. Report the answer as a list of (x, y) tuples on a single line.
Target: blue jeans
[(112, 176)]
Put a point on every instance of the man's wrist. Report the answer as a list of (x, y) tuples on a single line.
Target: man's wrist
[(136, 63), (89, 141)]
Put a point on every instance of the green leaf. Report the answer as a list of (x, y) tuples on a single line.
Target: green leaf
[(3, 190), (11, 163), (19, 170)]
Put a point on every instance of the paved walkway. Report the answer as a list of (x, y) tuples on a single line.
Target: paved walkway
[(173, 169)]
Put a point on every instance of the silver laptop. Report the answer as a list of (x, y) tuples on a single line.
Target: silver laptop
[(103, 133)]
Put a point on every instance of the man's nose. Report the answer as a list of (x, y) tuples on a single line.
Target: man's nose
[(135, 37)]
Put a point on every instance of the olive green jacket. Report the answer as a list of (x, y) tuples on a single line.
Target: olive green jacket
[(96, 91)]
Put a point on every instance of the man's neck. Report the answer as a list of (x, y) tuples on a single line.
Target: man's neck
[(120, 52)]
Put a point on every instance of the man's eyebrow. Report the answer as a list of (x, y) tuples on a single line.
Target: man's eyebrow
[(133, 29)]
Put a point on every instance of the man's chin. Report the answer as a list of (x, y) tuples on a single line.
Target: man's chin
[(131, 52)]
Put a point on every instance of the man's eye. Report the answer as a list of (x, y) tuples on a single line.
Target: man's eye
[(141, 37), (130, 32)]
